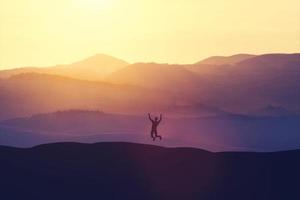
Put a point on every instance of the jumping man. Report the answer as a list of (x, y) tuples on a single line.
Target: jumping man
[(155, 124)]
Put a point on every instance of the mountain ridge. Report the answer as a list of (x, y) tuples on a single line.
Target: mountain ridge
[(271, 79), (225, 60), (92, 68)]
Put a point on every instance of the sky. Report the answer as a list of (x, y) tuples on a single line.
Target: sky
[(50, 32)]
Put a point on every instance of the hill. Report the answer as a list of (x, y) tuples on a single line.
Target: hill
[(250, 86), (153, 75), (136, 171), (264, 85), (31, 93), (185, 85), (93, 68)]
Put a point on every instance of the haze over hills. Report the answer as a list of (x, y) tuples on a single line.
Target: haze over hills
[(93, 68), (27, 94), (96, 67), (136, 171), (246, 106), (225, 132), (250, 87), (255, 84), (159, 76), (241, 88)]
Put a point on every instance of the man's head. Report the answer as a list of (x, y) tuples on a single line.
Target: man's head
[(156, 118)]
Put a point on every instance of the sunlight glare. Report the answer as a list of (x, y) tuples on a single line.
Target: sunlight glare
[(94, 4)]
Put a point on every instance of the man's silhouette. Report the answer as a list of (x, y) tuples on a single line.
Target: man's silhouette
[(155, 124)]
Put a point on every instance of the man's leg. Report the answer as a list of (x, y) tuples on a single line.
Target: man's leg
[(156, 135), (159, 136), (153, 135)]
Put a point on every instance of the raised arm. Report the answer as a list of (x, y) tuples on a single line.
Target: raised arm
[(149, 116), (160, 118)]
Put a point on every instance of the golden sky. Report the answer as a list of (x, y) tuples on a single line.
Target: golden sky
[(49, 32)]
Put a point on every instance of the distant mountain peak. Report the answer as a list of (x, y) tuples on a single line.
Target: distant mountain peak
[(93, 68), (101, 58)]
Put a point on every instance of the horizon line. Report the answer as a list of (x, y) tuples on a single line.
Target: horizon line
[(3, 68)]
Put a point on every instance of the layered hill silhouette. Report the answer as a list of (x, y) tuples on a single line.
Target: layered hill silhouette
[(248, 87), (153, 75), (254, 84), (31, 93), (93, 68), (137, 171)]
